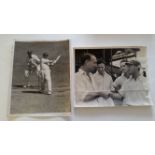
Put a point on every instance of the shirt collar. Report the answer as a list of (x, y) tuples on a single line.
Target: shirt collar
[(140, 77), (82, 72), (100, 74)]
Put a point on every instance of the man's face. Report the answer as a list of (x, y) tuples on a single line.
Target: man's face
[(92, 64), (101, 68), (132, 69), (123, 67)]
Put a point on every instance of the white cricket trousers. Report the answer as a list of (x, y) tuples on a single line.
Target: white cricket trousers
[(46, 79)]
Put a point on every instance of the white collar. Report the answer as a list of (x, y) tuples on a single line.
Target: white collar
[(82, 72), (100, 74)]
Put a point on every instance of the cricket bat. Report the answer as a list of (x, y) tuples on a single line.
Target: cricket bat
[(57, 59)]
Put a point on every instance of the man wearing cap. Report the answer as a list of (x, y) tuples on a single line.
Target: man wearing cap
[(32, 65), (117, 84), (134, 91)]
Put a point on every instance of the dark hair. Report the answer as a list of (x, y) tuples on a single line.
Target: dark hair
[(29, 52), (100, 61), (45, 55), (86, 57), (135, 63)]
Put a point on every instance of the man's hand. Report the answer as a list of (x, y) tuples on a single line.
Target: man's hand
[(90, 96), (116, 96), (104, 94)]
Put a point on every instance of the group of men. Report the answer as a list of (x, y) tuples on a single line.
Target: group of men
[(41, 67), (95, 87)]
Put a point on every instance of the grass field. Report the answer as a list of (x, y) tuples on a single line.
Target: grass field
[(28, 101)]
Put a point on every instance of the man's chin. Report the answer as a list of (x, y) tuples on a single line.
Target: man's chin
[(93, 72)]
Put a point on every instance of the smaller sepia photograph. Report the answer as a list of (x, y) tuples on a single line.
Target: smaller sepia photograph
[(111, 76), (41, 79)]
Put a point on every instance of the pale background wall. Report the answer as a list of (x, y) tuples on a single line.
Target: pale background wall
[(116, 113)]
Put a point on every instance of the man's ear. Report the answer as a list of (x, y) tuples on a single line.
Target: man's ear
[(86, 62)]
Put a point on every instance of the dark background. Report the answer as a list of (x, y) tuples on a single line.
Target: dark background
[(109, 55)]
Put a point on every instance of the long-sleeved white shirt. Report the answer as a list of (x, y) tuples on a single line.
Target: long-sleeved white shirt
[(85, 84), (103, 83), (135, 92), (119, 81)]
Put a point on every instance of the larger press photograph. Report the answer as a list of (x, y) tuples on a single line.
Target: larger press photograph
[(40, 78), (111, 76)]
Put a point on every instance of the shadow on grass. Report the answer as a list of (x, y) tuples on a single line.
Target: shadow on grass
[(22, 86), (31, 92)]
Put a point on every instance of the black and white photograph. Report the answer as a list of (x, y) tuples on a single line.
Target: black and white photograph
[(41, 78), (111, 76)]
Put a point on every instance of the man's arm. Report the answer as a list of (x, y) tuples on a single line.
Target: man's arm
[(105, 94), (53, 62), (116, 85), (33, 63), (116, 96), (90, 96)]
